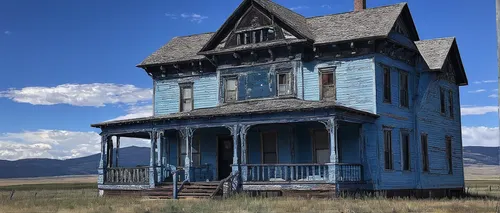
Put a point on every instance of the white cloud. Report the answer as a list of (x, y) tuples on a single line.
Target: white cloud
[(7, 32), (54, 144), (136, 112), (485, 81), (493, 96), (477, 91), (299, 7), (326, 6), (96, 94), (478, 110), (193, 17), (172, 16), (480, 136)]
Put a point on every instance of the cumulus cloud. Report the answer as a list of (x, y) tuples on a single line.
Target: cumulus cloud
[(493, 96), (97, 94), (326, 6), (480, 136), (477, 91), (485, 81), (301, 7), (54, 144), (478, 110), (193, 17), (136, 112)]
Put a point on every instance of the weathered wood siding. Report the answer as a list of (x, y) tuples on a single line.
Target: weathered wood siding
[(353, 76), (167, 97)]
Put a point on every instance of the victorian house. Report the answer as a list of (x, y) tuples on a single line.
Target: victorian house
[(277, 102)]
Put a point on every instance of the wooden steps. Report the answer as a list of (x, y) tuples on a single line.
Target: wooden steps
[(198, 190)]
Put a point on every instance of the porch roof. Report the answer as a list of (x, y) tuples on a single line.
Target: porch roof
[(242, 108)]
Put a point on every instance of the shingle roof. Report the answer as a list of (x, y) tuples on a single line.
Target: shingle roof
[(292, 19), (242, 108), (435, 51), (183, 48), (372, 22)]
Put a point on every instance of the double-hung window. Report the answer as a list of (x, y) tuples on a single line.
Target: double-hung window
[(230, 89), (186, 99), (284, 84)]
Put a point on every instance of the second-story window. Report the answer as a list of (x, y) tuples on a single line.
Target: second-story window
[(388, 149), (442, 101), (425, 156), (283, 84), (387, 84), (403, 89), (230, 89), (450, 103), (186, 99), (328, 88)]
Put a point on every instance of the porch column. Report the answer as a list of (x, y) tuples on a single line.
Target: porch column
[(187, 136), (109, 153), (243, 143), (234, 129), (159, 163), (102, 161), (117, 150), (331, 127), (152, 161)]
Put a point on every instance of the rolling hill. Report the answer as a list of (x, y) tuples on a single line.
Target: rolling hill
[(133, 156)]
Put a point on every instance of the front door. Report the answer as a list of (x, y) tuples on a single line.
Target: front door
[(225, 157)]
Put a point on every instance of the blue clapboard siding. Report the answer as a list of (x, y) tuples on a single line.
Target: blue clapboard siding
[(353, 76), (397, 119), (205, 93), (437, 127), (348, 140)]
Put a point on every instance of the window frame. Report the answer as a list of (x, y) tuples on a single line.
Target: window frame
[(183, 86), (288, 83), (425, 152), (405, 154), (327, 70), (442, 101), (182, 152), (388, 153), (262, 147), (450, 104), (225, 79), (387, 84), (406, 101), (449, 153)]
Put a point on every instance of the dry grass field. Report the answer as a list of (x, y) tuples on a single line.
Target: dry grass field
[(77, 195)]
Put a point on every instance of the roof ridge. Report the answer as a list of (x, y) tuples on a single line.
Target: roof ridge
[(371, 8), (197, 34)]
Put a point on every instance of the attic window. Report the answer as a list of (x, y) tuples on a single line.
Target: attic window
[(255, 36)]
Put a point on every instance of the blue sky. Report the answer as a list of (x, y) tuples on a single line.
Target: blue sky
[(69, 63)]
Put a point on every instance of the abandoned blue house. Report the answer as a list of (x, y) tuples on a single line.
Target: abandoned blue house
[(274, 102)]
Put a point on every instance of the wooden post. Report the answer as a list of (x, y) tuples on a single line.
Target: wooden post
[(187, 136), (160, 165), (117, 150), (152, 176), (331, 127), (243, 141), (102, 161), (235, 133)]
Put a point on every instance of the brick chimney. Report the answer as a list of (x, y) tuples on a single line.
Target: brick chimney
[(359, 5)]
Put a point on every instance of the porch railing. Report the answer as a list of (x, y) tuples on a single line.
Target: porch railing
[(136, 175), (287, 172), (304, 172)]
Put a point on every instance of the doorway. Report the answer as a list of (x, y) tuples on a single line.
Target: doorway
[(225, 158)]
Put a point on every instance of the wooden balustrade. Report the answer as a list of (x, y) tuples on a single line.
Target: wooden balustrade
[(127, 176), (304, 172), (287, 172)]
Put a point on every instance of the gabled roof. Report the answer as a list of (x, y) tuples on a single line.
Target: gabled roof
[(436, 51), (183, 48), (369, 23)]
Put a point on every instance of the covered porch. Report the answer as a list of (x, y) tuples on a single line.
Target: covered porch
[(275, 149)]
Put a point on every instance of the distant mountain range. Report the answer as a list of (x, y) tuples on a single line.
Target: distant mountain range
[(133, 156)]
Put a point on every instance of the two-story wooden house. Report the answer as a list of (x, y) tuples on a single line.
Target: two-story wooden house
[(284, 103)]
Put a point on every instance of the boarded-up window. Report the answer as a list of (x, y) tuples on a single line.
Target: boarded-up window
[(387, 84), (328, 83), (450, 103), (321, 146), (269, 148), (449, 156), (230, 89), (186, 102), (403, 89), (425, 156), (388, 149), (405, 150), (442, 101), (283, 84), (196, 152)]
